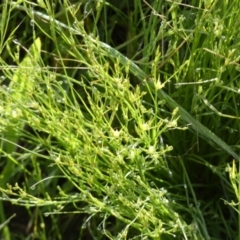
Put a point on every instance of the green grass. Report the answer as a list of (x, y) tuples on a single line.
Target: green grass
[(119, 120)]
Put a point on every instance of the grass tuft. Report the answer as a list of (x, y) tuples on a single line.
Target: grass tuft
[(119, 120)]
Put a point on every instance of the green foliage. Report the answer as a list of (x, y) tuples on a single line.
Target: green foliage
[(119, 118)]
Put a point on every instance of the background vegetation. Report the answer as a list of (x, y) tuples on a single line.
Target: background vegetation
[(119, 119)]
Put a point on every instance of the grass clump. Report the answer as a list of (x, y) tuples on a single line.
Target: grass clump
[(120, 119)]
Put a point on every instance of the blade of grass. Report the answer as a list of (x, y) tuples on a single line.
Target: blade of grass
[(234, 178), (7, 221)]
